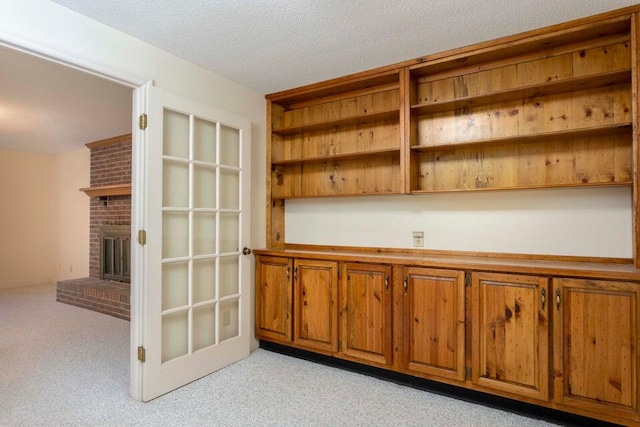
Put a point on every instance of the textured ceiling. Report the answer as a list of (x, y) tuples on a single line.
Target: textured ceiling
[(49, 108), (272, 45)]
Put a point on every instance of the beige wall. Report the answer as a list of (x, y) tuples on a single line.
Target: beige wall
[(44, 219), (26, 219), (70, 258)]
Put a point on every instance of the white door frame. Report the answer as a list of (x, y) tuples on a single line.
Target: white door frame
[(133, 81)]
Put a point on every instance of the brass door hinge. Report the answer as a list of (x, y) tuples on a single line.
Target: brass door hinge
[(467, 373), (142, 354), (467, 279), (142, 237), (142, 121)]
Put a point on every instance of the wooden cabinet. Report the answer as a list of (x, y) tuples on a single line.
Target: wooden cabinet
[(316, 304), (510, 349), (274, 293), (434, 322), (596, 335), (297, 302), (365, 314)]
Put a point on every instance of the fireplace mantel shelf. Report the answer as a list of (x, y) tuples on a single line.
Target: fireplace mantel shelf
[(108, 190)]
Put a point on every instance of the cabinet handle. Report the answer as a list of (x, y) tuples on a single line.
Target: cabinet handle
[(406, 284), (543, 297), (386, 283), (557, 299), (288, 273)]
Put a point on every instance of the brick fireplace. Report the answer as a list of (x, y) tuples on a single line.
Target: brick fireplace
[(110, 209)]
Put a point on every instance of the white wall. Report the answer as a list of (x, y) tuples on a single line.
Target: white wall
[(26, 219), (582, 222), (70, 258)]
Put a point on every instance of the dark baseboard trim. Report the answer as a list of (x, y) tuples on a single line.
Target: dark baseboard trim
[(502, 403)]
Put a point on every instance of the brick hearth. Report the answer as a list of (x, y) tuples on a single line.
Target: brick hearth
[(103, 296)]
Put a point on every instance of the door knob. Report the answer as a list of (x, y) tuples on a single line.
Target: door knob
[(246, 251)]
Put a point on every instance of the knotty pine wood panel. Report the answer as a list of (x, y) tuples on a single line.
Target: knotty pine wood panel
[(510, 334), (365, 315), (535, 72), (316, 304), (337, 140), (577, 110), (602, 59), (374, 175), (274, 295), (286, 181), (434, 322), (596, 332), (605, 159), (358, 105)]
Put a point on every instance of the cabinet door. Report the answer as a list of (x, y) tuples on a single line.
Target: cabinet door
[(510, 334), (596, 345), (273, 298), (365, 313), (434, 322), (316, 304)]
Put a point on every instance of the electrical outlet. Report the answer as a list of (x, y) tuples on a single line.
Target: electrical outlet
[(418, 239), (226, 318)]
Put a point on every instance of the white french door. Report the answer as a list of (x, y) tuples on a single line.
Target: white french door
[(193, 193)]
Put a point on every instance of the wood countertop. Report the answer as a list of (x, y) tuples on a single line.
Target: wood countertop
[(585, 267)]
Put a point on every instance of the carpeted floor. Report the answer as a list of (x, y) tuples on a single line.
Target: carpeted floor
[(65, 366)]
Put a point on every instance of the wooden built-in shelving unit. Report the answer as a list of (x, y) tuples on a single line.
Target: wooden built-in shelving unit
[(550, 108)]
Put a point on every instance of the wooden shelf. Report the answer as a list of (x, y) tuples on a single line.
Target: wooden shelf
[(478, 54), (346, 156), (572, 133), (393, 113), (108, 190), (527, 187), (526, 92), (334, 87)]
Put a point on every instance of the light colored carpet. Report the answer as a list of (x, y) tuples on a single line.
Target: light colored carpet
[(65, 366)]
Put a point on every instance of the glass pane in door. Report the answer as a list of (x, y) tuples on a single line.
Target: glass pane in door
[(175, 234), (204, 136), (204, 233), (175, 285), (230, 324), (229, 232), (204, 187), (229, 278), (229, 186), (174, 335), (175, 184), (204, 279), (229, 146), (204, 326), (176, 134)]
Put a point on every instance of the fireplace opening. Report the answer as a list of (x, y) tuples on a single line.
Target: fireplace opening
[(115, 253)]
